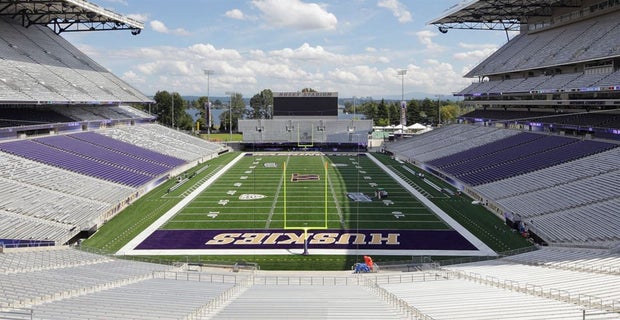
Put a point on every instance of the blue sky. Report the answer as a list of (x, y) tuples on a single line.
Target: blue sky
[(354, 47)]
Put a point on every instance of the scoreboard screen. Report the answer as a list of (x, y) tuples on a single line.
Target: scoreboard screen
[(305, 104)]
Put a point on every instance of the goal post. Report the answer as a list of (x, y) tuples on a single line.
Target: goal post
[(299, 136)]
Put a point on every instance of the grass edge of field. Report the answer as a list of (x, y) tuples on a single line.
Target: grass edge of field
[(109, 239)]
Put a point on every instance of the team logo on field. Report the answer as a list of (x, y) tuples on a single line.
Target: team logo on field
[(304, 177), (251, 196)]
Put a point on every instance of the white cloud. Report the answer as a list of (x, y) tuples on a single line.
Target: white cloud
[(235, 14), (475, 52), (132, 77), (286, 69), (477, 46), (295, 14), (476, 55), (123, 2), (426, 38), (208, 51), (142, 17), (398, 10), (160, 27)]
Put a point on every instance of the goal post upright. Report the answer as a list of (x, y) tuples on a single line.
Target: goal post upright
[(325, 194), (284, 178), (299, 142)]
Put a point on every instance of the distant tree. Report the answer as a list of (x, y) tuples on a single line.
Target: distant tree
[(394, 113), (200, 105), (382, 116), (262, 105), (449, 113), (162, 107), (428, 110), (237, 107), (305, 90), (413, 112), (368, 109), (348, 107)]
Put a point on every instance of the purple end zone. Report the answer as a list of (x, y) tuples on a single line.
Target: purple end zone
[(318, 239)]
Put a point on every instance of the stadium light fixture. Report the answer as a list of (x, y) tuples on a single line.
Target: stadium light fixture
[(354, 111), (402, 74), (230, 93), (208, 73), (438, 109)]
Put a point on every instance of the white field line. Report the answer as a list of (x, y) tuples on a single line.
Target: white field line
[(129, 247), (435, 209), (483, 250)]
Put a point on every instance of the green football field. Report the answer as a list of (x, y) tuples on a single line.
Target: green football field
[(304, 191), (311, 202)]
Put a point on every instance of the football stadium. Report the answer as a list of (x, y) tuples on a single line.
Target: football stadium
[(512, 212)]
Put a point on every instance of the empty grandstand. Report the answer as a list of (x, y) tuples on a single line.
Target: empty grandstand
[(73, 154), (553, 91), (65, 121)]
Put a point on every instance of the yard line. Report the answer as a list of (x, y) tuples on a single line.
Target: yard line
[(129, 246), (275, 198), (338, 209)]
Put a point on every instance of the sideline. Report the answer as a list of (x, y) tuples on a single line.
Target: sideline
[(484, 249), (128, 248)]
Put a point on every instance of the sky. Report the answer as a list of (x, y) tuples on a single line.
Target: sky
[(353, 47)]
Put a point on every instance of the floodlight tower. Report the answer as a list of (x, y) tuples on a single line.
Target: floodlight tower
[(231, 94), (403, 104), (439, 96), (354, 111), (208, 73)]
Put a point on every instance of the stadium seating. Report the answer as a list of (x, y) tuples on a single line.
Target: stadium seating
[(448, 140), (39, 65), (93, 113), (576, 118), (580, 41), (165, 141), (561, 187), (555, 283), (463, 299), (39, 200), (148, 299), (307, 301), (550, 283), (594, 165), (513, 156)]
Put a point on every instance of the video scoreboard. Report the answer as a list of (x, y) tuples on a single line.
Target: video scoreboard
[(305, 104)]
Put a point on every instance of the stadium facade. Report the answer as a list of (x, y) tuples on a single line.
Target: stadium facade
[(541, 147), (66, 121), (564, 180), (305, 121)]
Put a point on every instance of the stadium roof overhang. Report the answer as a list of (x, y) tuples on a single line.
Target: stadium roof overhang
[(505, 15), (68, 15)]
